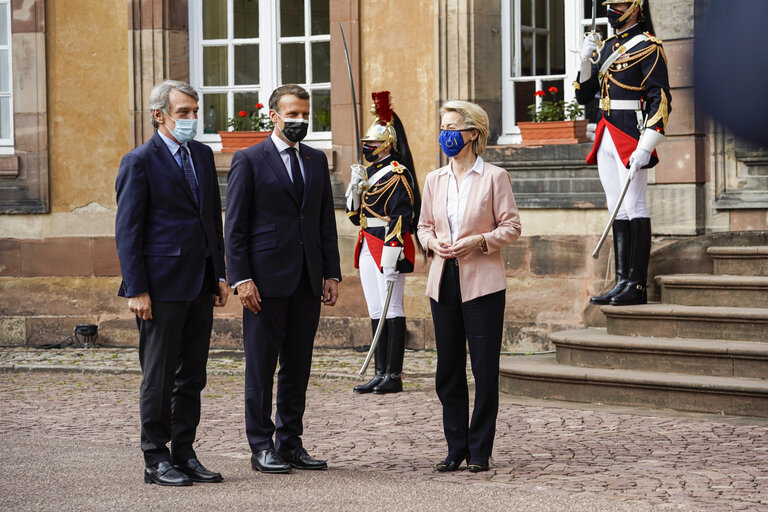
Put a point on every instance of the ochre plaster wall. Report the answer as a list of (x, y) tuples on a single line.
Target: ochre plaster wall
[(88, 100), (398, 54)]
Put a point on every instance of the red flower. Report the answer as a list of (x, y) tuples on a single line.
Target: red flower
[(552, 90), (539, 93), (259, 105), (242, 113)]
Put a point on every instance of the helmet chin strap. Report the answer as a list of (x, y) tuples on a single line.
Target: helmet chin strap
[(630, 10), (381, 148)]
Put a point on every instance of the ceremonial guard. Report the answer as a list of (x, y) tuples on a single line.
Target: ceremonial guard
[(383, 199), (629, 73)]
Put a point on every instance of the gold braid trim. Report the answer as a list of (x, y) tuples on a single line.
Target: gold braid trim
[(396, 232), (662, 113), (651, 71)]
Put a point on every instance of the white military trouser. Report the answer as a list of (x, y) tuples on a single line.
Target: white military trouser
[(375, 287), (613, 173)]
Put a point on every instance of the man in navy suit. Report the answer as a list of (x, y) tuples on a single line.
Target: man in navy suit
[(169, 240), (283, 260)]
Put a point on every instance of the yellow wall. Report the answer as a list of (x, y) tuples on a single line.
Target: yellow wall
[(398, 55), (88, 100)]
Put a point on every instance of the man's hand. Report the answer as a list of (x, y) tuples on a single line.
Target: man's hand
[(440, 247), (141, 306), (390, 274), (464, 246), (330, 292), (249, 296), (589, 46), (358, 175), (220, 300), (638, 160)]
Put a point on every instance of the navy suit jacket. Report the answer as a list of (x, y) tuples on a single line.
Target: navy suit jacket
[(270, 232), (163, 240)]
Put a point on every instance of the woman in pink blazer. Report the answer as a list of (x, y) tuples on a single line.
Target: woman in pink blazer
[(468, 214)]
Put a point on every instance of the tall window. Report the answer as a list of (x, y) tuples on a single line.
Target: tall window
[(6, 81), (540, 44), (240, 50)]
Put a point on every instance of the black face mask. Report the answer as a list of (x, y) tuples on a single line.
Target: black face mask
[(294, 129), (613, 18), (368, 153)]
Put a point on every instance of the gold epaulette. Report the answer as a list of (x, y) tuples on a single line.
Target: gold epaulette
[(652, 38), (396, 167)]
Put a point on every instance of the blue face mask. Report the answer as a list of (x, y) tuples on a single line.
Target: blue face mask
[(185, 130), (451, 141)]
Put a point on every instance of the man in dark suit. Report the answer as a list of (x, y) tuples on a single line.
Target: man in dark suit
[(169, 240), (283, 260)]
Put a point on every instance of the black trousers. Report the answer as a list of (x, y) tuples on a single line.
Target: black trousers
[(173, 352), (285, 330), (480, 322)]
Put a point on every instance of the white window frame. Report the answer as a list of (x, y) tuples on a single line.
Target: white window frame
[(575, 25), (269, 42), (7, 144)]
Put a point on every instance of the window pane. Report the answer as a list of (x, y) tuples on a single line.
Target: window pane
[(321, 111), (557, 37), (523, 97), (559, 95), (291, 18), (214, 19), (247, 64), (292, 63), (5, 72), (541, 13), (4, 25), (541, 55), (321, 62), (215, 108), (247, 101), (215, 65), (526, 57), (526, 14), (321, 22), (602, 11), (246, 18)]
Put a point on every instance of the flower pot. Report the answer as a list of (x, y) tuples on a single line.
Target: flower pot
[(235, 141), (554, 132)]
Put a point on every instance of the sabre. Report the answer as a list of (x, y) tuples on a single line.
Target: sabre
[(596, 252), (354, 99), (377, 335)]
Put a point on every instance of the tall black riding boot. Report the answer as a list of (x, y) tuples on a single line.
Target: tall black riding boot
[(621, 243), (635, 291), (379, 357), (392, 382)]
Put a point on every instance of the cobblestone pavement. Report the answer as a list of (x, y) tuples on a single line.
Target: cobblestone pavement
[(660, 459)]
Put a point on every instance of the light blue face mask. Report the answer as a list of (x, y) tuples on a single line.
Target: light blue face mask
[(185, 130), (452, 142)]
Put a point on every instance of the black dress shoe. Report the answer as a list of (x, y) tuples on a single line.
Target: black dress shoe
[(390, 384), (197, 472), (478, 466), (165, 474), (267, 461), (300, 459), (449, 464), (368, 387)]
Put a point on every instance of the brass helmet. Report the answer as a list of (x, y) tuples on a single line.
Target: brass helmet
[(382, 130), (636, 4)]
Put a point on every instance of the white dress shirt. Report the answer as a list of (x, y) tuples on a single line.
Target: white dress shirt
[(283, 148), (457, 196), (173, 147)]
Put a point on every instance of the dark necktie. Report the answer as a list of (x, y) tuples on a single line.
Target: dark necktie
[(189, 174), (298, 181)]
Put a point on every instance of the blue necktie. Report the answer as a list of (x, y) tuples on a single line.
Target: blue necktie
[(189, 174), (298, 181)]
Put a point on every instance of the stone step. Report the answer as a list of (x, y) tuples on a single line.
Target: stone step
[(598, 349), (714, 290), (676, 321), (543, 377), (740, 261)]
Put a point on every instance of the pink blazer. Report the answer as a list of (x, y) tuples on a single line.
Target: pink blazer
[(490, 210)]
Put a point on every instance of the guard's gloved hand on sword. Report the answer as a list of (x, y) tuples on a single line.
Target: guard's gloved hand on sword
[(390, 274), (642, 154), (357, 185), (590, 45)]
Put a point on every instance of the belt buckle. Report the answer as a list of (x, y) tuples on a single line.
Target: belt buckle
[(605, 103)]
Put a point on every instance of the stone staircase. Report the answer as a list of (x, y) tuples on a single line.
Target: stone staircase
[(703, 347)]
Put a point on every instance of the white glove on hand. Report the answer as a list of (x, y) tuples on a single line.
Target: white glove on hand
[(638, 160), (589, 46), (358, 174), (390, 274)]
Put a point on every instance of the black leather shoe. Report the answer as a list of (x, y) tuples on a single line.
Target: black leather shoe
[(165, 474), (390, 384), (300, 459), (267, 461), (197, 472), (449, 464), (368, 387), (478, 466)]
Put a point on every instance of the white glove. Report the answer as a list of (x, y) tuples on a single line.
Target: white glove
[(638, 160), (358, 174), (589, 46), (390, 274)]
